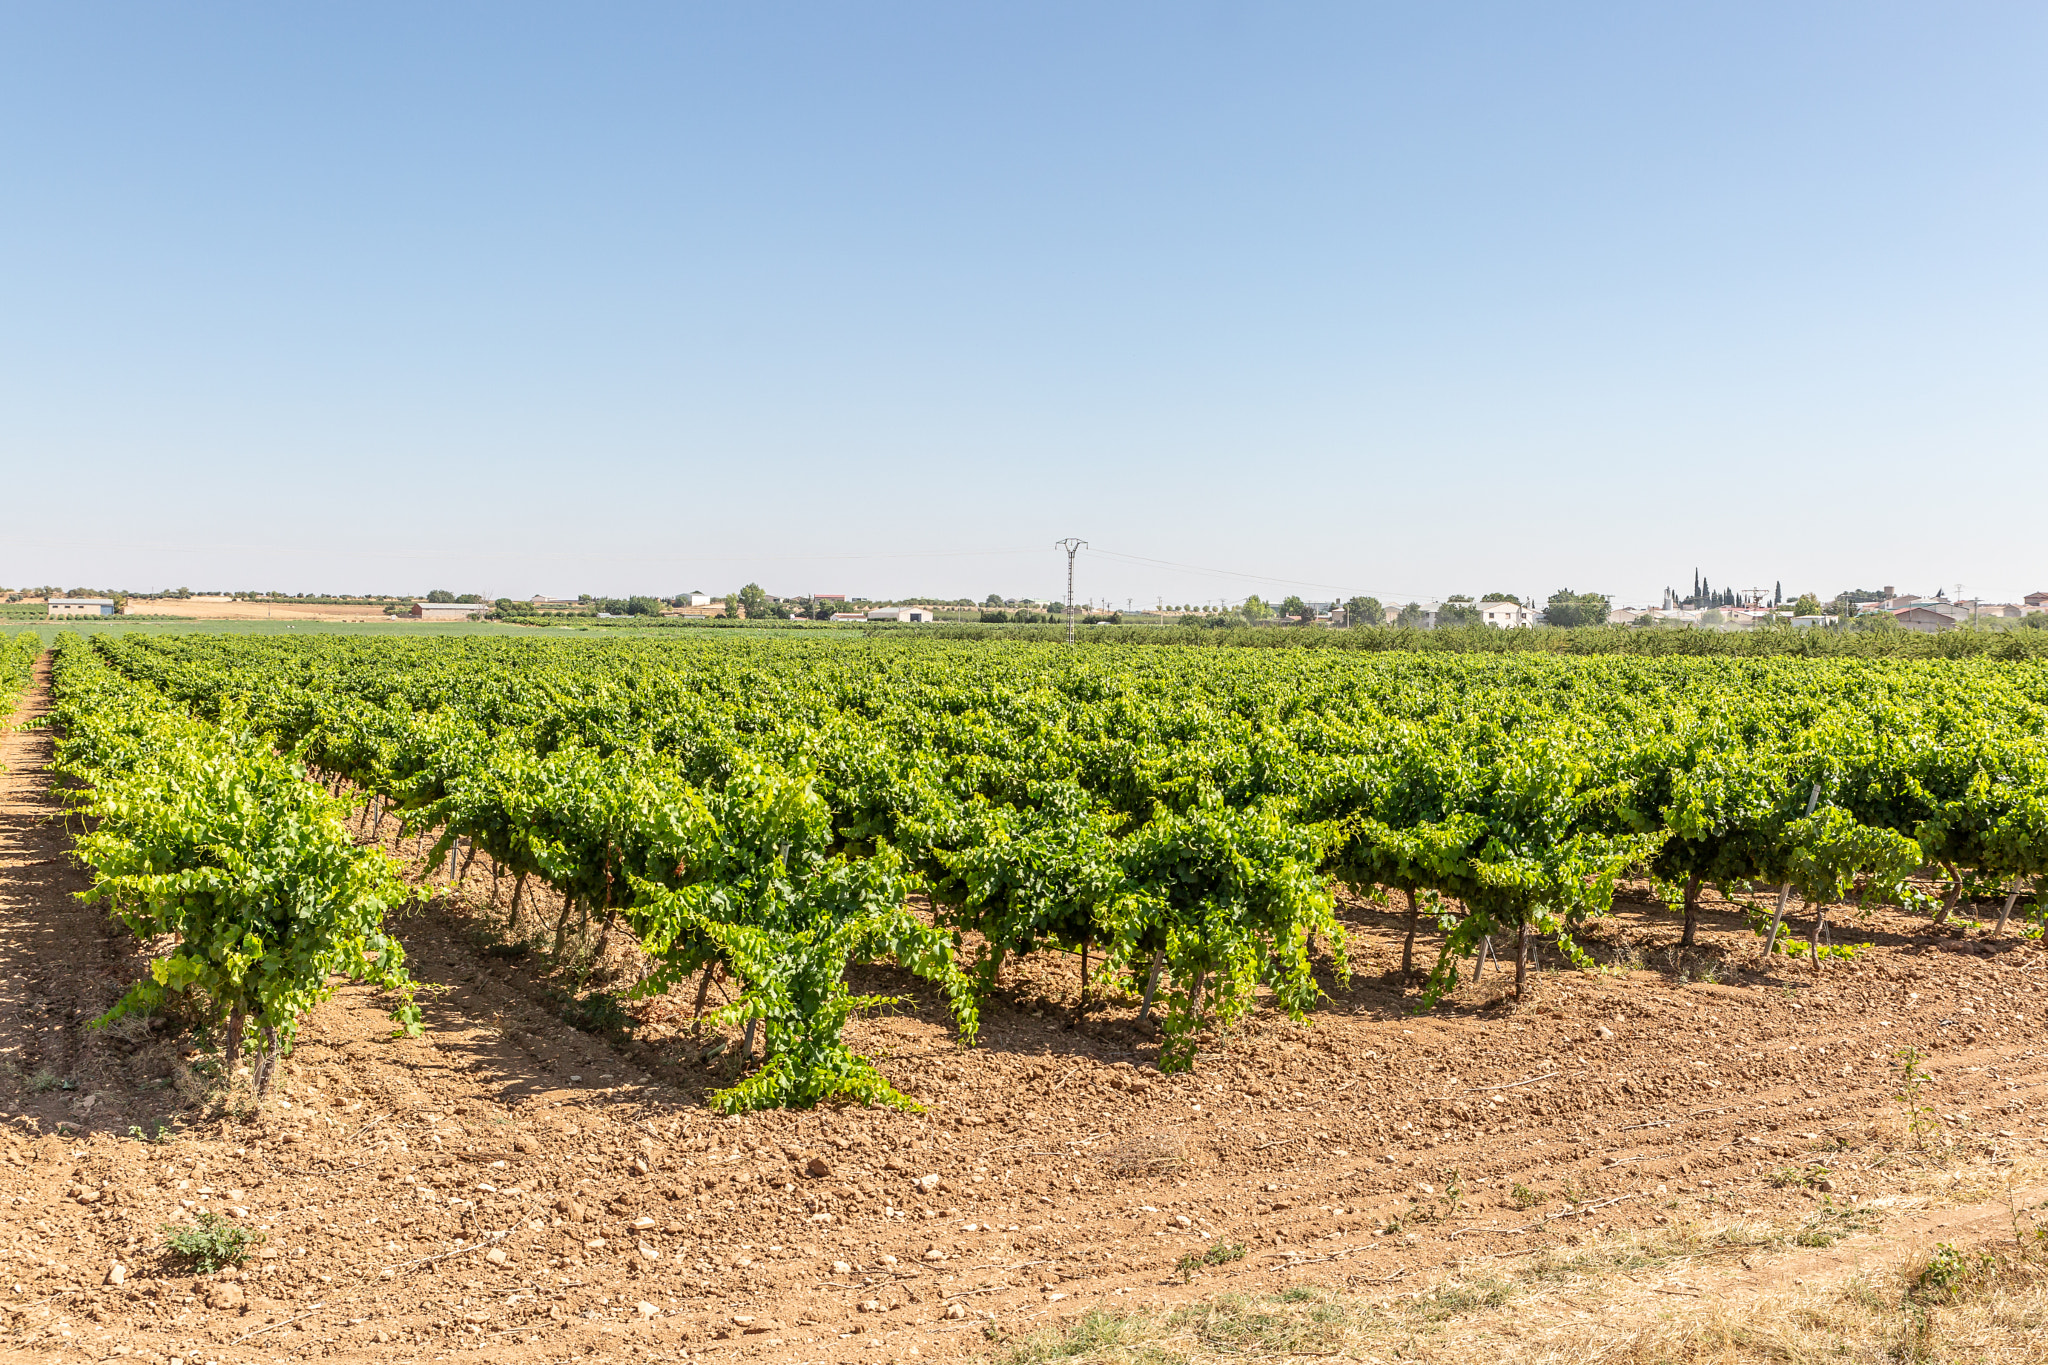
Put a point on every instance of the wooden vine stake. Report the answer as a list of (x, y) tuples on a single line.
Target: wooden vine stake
[(1152, 983), (1408, 944), (2012, 898), (1479, 962), (1785, 891)]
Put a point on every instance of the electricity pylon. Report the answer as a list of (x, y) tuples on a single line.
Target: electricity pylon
[(1072, 545)]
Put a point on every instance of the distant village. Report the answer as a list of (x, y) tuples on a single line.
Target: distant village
[(1908, 610), (1705, 607)]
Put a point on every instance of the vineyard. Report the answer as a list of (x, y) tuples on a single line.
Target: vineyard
[(880, 999), (1180, 820)]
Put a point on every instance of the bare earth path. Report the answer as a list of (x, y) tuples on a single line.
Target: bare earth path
[(510, 1184)]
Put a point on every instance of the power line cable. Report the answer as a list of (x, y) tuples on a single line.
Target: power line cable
[(1233, 573), (554, 556)]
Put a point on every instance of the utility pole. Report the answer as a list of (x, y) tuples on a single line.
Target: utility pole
[(1072, 545)]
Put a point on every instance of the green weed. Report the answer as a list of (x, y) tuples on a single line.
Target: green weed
[(599, 1012), (1832, 1222), (1217, 1253), (209, 1244), (1948, 1272), (1911, 1097)]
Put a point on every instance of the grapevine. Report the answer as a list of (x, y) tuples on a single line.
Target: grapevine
[(203, 834)]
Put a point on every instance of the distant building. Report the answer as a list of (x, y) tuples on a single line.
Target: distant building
[(1507, 615), (81, 606), (848, 616), (2036, 601), (1815, 620), (1931, 617), (447, 611), (900, 614), (694, 599)]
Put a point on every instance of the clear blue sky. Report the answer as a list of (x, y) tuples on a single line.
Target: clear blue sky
[(882, 298)]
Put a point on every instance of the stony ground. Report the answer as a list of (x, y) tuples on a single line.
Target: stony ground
[(510, 1183)]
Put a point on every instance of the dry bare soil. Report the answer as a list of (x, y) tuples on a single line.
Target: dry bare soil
[(1637, 1163), (211, 609)]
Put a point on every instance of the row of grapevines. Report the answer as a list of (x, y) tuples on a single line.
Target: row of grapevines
[(18, 665), (202, 835)]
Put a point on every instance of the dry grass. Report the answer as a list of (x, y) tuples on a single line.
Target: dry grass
[(1669, 1297), (1151, 1154), (1994, 1310)]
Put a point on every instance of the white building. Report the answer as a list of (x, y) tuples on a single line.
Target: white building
[(900, 614), (694, 599), (81, 606), (1507, 615)]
